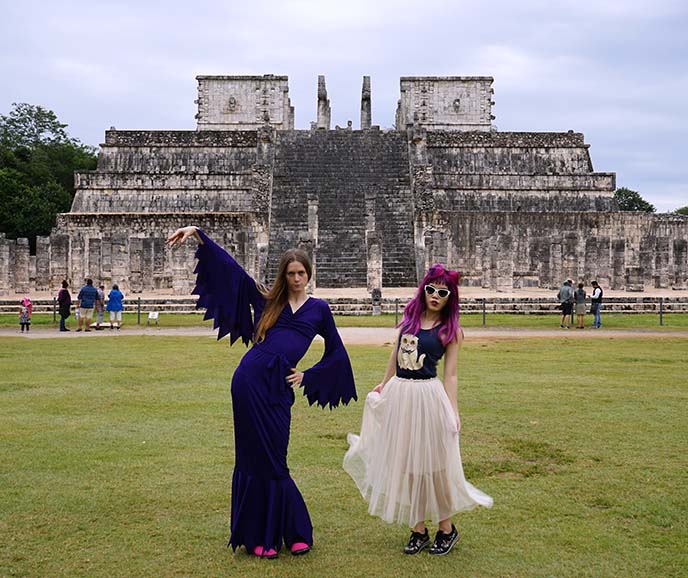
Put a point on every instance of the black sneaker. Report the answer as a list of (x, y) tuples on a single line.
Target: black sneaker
[(444, 542), (417, 542)]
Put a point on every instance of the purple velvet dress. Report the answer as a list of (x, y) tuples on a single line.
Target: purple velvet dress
[(267, 507)]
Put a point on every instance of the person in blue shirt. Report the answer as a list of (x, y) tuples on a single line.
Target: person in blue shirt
[(115, 307), (86, 300)]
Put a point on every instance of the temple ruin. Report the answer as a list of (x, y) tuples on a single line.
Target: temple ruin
[(373, 207)]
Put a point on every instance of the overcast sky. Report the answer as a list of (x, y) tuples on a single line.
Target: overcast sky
[(615, 70)]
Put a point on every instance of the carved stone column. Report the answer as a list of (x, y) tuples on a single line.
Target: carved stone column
[(373, 243), (4, 265), (366, 109), (422, 185), (324, 112), (21, 266), (42, 263)]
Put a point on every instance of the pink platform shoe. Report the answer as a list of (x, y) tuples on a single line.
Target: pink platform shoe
[(261, 552), (298, 548)]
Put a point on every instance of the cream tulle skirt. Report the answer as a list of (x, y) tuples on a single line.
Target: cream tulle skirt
[(407, 461)]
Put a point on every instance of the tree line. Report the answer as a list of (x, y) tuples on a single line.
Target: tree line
[(37, 163)]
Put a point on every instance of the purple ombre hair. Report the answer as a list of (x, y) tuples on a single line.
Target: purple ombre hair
[(449, 315)]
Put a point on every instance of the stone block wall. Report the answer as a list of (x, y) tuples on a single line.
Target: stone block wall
[(457, 103), (622, 250), (539, 172), (130, 249), (243, 102)]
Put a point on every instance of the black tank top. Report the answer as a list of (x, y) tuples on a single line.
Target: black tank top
[(418, 355)]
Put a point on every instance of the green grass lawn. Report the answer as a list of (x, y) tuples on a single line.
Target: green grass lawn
[(672, 321), (116, 461)]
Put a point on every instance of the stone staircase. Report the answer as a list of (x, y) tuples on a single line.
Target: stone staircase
[(336, 171)]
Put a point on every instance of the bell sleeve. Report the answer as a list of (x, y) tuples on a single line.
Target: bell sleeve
[(226, 291), (331, 380)]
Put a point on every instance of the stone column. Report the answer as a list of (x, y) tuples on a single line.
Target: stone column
[(324, 112), (662, 256), (179, 260), (618, 269), (77, 269), (94, 261), (505, 264), (555, 264), (422, 183), (680, 262), (22, 259), (106, 260), (4, 265), (43, 263), (135, 264), (147, 274), (120, 261), (604, 267), (373, 240), (59, 260), (257, 244), (312, 238), (366, 110)]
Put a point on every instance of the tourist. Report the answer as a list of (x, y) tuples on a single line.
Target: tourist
[(25, 310), (407, 460), (565, 297), (596, 304), (115, 306), (267, 507), (579, 297), (86, 300), (100, 306), (64, 304)]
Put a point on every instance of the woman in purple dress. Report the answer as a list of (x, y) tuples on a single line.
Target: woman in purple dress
[(267, 507)]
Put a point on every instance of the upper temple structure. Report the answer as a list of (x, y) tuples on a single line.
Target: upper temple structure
[(374, 208)]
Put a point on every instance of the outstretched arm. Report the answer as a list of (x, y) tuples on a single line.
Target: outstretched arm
[(225, 290), (181, 235)]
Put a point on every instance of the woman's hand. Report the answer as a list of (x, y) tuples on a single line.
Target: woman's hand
[(379, 387), (296, 378), (458, 422), (180, 235)]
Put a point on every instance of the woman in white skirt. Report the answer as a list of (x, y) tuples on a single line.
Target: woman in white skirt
[(407, 462)]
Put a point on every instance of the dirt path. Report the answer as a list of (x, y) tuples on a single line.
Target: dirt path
[(356, 335)]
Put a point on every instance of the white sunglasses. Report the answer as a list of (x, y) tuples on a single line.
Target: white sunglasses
[(441, 293)]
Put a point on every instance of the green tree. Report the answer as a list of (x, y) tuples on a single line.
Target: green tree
[(629, 200), (682, 210), (29, 126), (37, 164)]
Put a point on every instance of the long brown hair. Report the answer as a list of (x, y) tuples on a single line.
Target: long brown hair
[(277, 297)]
